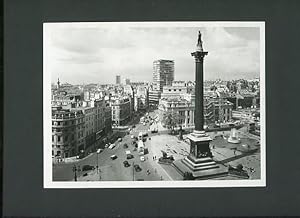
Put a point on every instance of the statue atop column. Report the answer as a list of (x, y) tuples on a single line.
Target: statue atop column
[(199, 43)]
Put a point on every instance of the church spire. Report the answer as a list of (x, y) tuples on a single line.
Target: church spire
[(58, 83)]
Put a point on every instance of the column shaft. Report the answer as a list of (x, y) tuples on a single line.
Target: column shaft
[(199, 115)]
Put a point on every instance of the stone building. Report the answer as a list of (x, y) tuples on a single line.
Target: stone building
[(141, 98), (121, 107), (99, 120), (108, 119), (67, 132), (185, 108), (180, 97)]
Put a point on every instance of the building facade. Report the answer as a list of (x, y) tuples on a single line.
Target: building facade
[(185, 108), (154, 96), (180, 98), (99, 123), (121, 107), (108, 118), (118, 79), (67, 136), (127, 81), (163, 73), (141, 98)]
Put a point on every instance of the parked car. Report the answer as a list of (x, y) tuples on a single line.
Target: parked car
[(126, 164), (129, 156), (142, 158), (87, 167), (125, 146), (119, 139), (113, 157)]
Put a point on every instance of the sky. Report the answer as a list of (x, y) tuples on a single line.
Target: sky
[(80, 53)]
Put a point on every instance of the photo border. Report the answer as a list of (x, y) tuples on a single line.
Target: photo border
[(47, 144)]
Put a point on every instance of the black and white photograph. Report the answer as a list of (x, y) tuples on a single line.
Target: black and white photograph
[(154, 104)]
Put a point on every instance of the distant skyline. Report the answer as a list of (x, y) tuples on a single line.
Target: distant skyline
[(80, 53)]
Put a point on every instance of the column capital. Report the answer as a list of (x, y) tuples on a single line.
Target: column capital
[(199, 55)]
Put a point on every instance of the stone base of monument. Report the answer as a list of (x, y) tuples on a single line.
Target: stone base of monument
[(200, 163), (204, 168)]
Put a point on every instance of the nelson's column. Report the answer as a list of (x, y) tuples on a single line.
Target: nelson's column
[(199, 162)]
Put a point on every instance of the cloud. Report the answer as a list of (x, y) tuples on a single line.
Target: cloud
[(97, 54)]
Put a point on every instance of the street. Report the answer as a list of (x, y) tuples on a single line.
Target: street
[(114, 170)]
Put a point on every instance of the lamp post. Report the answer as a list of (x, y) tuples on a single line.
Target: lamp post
[(98, 151), (75, 169), (133, 171)]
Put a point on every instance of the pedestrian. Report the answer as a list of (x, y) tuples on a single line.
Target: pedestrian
[(155, 170), (234, 151), (161, 178)]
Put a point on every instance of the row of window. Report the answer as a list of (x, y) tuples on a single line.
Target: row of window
[(174, 90), (64, 130), (70, 122), (65, 138)]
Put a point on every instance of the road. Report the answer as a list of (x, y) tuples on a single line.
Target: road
[(114, 170)]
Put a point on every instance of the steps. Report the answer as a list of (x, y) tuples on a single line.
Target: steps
[(203, 169)]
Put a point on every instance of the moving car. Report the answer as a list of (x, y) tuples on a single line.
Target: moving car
[(113, 157), (126, 164), (137, 168), (87, 167), (129, 156)]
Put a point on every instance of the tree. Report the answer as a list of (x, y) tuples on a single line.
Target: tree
[(171, 120)]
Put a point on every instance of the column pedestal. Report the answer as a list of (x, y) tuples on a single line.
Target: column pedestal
[(200, 162)]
